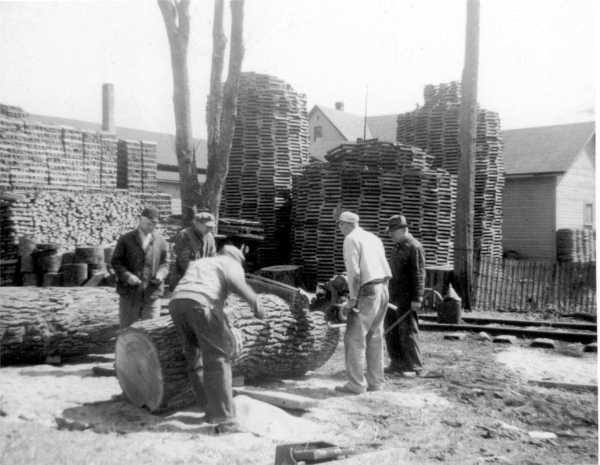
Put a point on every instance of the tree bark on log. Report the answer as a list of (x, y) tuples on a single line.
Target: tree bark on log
[(38, 322), (291, 340)]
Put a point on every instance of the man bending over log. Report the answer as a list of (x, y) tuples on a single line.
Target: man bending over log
[(196, 308)]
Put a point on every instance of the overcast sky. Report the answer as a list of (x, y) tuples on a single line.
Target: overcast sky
[(536, 56)]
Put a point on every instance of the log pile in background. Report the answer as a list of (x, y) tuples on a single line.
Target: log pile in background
[(136, 165), (36, 323), (434, 127), (375, 180), (576, 245), (151, 365), (270, 140), (66, 219)]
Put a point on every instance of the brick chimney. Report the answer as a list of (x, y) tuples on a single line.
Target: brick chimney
[(339, 106), (108, 108)]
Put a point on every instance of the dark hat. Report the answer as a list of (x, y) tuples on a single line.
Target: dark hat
[(207, 218), (396, 222), (151, 213), (348, 217)]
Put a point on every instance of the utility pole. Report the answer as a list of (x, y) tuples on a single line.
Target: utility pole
[(463, 230)]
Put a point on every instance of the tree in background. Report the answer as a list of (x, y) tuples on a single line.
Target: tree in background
[(222, 103), (176, 16)]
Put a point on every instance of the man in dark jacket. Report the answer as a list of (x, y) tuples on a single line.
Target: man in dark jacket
[(193, 243), (141, 263), (407, 285)]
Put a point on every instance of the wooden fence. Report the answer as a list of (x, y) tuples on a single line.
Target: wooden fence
[(536, 286)]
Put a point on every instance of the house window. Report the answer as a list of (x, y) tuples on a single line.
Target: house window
[(318, 132), (588, 214)]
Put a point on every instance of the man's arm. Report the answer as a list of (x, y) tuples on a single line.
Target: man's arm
[(237, 284), (418, 278), (352, 262), (211, 248), (163, 264), (119, 260)]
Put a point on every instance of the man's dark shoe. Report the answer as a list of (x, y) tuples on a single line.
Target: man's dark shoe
[(374, 388), (230, 429), (345, 390)]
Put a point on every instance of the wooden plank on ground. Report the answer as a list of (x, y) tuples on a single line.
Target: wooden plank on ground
[(279, 399), (569, 386)]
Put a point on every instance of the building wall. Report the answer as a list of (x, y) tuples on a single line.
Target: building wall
[(330, 132), (576, 189), (529, 217)]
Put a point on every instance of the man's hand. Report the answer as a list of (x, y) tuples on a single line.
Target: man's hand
[(157, 280), (133, 280), (415, 306), (259, 311)]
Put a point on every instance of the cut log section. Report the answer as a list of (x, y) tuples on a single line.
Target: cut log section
[(39, 322), (151, 365)]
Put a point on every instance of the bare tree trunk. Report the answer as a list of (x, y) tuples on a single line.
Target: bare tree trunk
[(177, 22), (463, 236), (222, 106)]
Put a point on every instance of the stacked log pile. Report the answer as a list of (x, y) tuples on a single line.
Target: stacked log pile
[(160, 200), (92, 158), (42, 322), (434, 127), (270, 140), (576, 245), (129, 164), (66, 219), (375, 180), (108, 162)]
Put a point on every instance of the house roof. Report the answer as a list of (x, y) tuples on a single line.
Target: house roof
[(547, 149), (383, 127), (351, 126), (165, 143), (319, 149)]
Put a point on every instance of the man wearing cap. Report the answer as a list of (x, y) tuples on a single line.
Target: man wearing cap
[(196, 308), (368, 273), (193, 243), (141, 263), (407, 285)]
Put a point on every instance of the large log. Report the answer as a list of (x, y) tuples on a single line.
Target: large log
[(39, 322), (290, 341)]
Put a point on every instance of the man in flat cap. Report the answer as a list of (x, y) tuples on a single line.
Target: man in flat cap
[(193, 243), (141, 263), (368, 273), (406, 292), (196, 308)]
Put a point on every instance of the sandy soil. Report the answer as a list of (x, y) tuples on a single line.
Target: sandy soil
[(484, 385)]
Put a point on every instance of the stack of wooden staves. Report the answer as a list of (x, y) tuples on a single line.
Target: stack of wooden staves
[(375, 180), (270, 140), (35, 154), (434, 128), (576, 245)]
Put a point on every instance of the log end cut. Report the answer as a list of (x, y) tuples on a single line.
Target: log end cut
[(139, 369)]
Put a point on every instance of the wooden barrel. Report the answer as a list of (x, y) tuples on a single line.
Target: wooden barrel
[(75, 274), (68, 258), (93, 256), (52, 280), (151, 365)]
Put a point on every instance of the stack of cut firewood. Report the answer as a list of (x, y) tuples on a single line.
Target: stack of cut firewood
[(375, 180), (270, 140), (434, 128), (67, 219)]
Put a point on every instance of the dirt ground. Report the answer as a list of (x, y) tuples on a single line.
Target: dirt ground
[(482, 409)]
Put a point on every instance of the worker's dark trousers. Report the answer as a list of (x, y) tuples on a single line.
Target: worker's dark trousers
[(209, 346), (403, 341)]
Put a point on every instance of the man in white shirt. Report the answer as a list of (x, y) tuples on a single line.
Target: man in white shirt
[(368, 274)]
